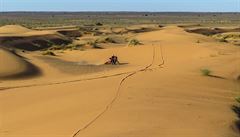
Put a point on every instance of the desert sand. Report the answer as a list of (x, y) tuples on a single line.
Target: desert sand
[(160, 91)]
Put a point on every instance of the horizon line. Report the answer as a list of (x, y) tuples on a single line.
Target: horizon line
[(129, 11)]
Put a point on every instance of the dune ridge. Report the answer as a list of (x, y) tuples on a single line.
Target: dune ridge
[(13, 66), (170, 97), (13, 29), (19, 37)]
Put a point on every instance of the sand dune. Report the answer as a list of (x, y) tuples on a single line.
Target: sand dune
[(13, 66), (18, 37), (160, 92), (212, 31), (17, 30), (13, 29)]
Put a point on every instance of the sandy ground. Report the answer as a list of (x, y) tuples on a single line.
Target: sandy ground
[(158, 92)]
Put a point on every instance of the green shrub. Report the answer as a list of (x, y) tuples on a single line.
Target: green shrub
[(206, 72), (238, 99), (134, 42)]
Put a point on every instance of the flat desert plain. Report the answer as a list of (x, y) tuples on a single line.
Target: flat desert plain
[(170, 83)]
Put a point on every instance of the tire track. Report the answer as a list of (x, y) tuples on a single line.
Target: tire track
[(160, 65), (162, 56), (118, 90), (80, 80), (64, 82)]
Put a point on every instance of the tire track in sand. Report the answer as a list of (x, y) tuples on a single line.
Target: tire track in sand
[(63, 82), (80, 80), (119, 88)]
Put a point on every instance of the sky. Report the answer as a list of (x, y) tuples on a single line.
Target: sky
[(122, 5)]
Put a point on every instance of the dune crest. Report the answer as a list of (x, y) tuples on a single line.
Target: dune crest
[(159, 92), (15, 66), (9, 29)]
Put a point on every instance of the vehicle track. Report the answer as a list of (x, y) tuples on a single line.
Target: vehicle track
[(70, 81), (129, 74), (119, 88), (64, 82)]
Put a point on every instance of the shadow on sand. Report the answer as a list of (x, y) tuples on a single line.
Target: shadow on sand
[(236, 109), (30, 72), (214, 76)]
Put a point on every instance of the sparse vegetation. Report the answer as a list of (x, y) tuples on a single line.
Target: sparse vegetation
[(56, 47), (106, 40), (65, 47), (50, 53), (222, 40), (221, 34), (231, 37), (93, 44), (49, 43), (238, 99), (74, 46), (134, 42), (206, 72), (236, 109), (160, 26), (99, 24), (57, 19)]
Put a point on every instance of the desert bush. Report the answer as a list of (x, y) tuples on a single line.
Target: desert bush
[(93, 44), (74, 46), (106, 40), (49, 43), (99, 24), (65, 47), (222, 40), (206, 72), (50, 53), (97, 46), (238, 99), (134, 42), (56, 47), (109, 40), (160, 26), (95, 29)]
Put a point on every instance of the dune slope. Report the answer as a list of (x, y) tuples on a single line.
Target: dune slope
[(13, 29), (13, 66), (19, 37), (166, 95)]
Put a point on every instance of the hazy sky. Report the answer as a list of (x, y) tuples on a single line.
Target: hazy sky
[(120, 5)]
